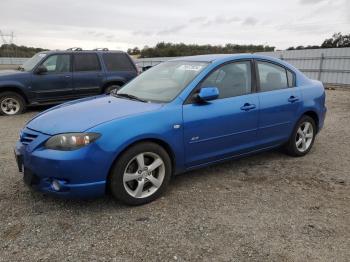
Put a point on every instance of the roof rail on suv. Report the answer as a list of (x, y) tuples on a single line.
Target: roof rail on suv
[(75, 49), (100, 49)]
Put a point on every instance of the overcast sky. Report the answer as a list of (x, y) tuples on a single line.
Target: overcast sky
[(116, 24)]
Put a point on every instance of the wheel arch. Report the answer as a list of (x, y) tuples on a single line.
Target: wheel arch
[(314, 116), (157, 141), (14, 89)]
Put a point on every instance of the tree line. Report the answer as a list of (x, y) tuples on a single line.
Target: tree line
[(163, 49), (12, 50), (170, 50), (336, 41)]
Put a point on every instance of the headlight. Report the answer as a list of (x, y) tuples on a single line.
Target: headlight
[(71, 141)]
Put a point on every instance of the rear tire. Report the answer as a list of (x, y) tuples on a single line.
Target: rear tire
[(112, 88), (141, 174), (11, 103), (302, 138)]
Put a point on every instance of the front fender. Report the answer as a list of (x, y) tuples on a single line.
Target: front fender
[(13, 84), (117, 135)]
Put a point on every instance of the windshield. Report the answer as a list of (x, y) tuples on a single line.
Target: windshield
[(32, 62), (163, 82)]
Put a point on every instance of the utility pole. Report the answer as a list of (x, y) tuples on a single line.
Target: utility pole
[(7, 39)]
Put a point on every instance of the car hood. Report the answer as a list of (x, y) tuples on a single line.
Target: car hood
[(80, 115), (10, 73)]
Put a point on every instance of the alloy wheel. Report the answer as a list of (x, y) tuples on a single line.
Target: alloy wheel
[(304, 136), (144, 175), (10, 106)]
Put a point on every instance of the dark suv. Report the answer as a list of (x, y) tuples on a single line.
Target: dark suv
[(56, 76)]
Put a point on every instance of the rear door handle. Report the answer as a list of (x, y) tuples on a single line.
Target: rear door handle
[(292, 99), (247, 107)]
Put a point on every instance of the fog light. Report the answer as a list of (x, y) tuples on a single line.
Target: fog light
[(56, 185)]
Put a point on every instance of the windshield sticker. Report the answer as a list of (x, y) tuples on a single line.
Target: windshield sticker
[(191, 67), (41, 55)]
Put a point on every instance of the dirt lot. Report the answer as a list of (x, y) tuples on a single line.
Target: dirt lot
[(266, 207)]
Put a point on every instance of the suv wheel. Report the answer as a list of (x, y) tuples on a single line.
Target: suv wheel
[(302, 138), (112, 88), (11, 104), (141, 174)]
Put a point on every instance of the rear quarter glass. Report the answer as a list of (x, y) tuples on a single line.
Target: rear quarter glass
[(118, 62)]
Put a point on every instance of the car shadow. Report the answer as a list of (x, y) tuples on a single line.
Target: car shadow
[(38, 109), (235, 168)]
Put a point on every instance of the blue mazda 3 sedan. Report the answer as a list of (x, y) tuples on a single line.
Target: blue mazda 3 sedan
[(180, 115)]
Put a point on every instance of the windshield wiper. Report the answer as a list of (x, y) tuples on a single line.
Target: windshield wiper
[(130, 97)]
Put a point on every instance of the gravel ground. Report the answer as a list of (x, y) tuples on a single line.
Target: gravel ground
[(268, 207), (8, 67)]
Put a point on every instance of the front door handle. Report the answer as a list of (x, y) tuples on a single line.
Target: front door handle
[(292, 99), (247, 107)]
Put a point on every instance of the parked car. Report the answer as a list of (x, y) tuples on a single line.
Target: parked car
[(177, 116), (56, 76)]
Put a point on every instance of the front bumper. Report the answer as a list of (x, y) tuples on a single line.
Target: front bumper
[(81, 173)]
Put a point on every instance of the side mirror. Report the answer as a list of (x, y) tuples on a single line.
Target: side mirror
[(41, 70), (207, 94)]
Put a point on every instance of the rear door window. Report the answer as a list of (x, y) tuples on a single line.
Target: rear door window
[(86, 62), (271, 76), (118, 62)]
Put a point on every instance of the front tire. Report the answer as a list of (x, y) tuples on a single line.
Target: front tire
[(11, 104), (141, 174), (302, 138)]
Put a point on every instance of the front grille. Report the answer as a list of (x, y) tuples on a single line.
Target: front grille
[(27, 138)]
